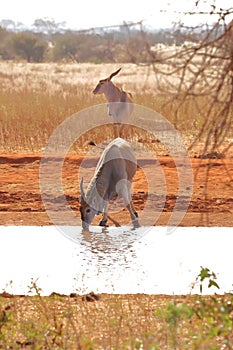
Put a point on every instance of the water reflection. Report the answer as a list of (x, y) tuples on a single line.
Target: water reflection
[(106, 247), (109, 247), (104, 239), (105, 259)]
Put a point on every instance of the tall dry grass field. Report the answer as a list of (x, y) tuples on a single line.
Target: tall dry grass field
[(36, 98)]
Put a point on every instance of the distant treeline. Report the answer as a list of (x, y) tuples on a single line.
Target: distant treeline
[(48, 41)]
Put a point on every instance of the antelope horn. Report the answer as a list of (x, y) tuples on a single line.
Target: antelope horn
[(115, 73), (82, 190)]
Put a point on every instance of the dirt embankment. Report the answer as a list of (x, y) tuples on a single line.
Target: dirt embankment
[(211, 202)]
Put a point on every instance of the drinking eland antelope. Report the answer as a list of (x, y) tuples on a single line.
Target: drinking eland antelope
[(112, 178), (120, 103)]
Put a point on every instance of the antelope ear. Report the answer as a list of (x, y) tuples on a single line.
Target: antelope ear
[(113, 74)]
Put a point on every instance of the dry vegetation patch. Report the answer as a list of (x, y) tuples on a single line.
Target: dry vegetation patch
[(116, 322), (36, 98)]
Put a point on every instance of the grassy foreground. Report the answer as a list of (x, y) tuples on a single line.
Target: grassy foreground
[(116, 322), (107, 321)]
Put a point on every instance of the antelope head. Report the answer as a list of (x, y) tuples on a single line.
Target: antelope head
[(103, 83), (87, 213)]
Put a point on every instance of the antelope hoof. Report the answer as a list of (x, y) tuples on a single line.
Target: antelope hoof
[(103, 223)]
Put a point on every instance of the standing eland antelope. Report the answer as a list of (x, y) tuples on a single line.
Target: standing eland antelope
[(112, 178), (120, 103)]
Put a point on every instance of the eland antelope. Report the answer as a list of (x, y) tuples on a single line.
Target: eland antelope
[(120, 103), (112, 178)]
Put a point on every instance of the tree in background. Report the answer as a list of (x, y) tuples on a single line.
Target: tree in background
[(48, 26), (4, 54), (198, 78), (121, 43), (27, 46), (65, 47), (83, 47)]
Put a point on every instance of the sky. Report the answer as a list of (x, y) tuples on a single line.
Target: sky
[(94, 13)]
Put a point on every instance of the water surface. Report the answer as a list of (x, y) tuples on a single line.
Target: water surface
[(151, 260)]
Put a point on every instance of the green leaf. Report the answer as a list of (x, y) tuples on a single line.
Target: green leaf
[(213, 283)]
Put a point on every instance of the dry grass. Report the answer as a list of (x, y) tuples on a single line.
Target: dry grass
[(36, 98), (116, 322), (53, 76)]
